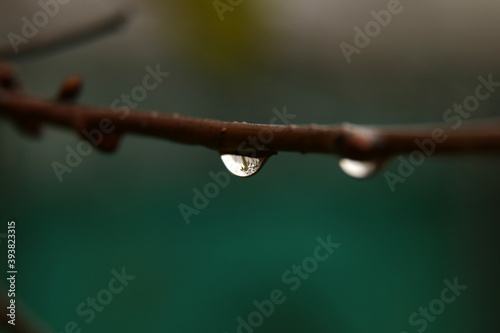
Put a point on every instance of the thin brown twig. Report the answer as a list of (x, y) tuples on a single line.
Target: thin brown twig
[(348, 141)]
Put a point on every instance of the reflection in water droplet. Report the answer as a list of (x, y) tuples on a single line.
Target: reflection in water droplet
[(359, 169), (242, 166)]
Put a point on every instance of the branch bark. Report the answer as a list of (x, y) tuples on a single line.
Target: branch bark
[(346, 140)]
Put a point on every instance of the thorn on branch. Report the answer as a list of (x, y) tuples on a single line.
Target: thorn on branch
[(8, 80), (70, 89), (108, 142), (30, 128)]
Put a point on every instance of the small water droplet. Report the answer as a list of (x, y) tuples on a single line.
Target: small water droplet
[(242, 166), (359, 169)]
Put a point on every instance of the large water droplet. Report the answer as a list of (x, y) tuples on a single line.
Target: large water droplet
[(359, 169), (242, 166)]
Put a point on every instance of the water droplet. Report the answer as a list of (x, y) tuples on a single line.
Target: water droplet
[(359, 169), (242, 166)]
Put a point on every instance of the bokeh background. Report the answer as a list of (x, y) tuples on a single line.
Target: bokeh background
[(121, 210)]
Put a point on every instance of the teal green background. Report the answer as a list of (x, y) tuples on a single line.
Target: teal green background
[(122, 209)]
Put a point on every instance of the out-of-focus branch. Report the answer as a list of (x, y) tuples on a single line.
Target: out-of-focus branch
[(70, 36), (348, 141), (25, 322)]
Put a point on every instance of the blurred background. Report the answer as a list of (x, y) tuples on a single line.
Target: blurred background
[(122, 210)]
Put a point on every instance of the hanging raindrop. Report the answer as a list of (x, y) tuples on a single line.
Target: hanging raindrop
[(359, 169), (243, 166)]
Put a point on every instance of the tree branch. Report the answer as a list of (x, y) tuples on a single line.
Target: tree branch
[(363, 143), (74, 35), (25, 321)]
